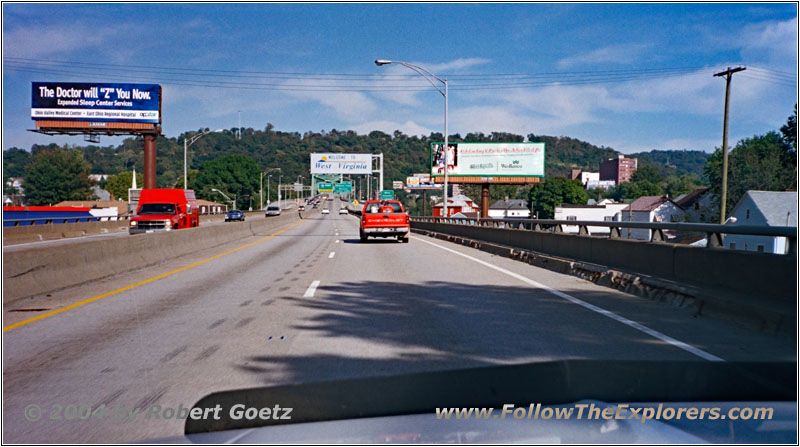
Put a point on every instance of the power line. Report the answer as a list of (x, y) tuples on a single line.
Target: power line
[(772, 81), (375, 85), (21, 62)]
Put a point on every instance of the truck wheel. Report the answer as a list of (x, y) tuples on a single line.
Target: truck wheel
[(405, 240), (363, 237)]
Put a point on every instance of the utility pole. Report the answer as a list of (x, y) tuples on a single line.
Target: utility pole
[(728, 74), (239, 129)]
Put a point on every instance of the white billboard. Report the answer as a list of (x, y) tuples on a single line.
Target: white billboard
[(341, 163), (489, 159)]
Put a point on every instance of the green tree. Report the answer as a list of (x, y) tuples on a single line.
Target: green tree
[(235, 175), (191, 176), (14, 162), (118, 184), (763, 162), (56, 175), (684, 184), (647, 173), (633, 190), (789, 130), (545, 197)]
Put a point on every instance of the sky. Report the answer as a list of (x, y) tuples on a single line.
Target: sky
[(632, 77)]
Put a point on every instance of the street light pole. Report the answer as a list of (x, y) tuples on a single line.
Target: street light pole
[(261, 192), (428, 76), (268, 177), (186, 146)]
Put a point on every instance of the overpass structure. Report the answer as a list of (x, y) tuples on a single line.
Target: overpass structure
[(167, 318)]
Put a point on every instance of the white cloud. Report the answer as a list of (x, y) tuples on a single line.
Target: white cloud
[(613, 54), (409, 128), (455, 65), (39, 41), (347, 104), (773, 42)]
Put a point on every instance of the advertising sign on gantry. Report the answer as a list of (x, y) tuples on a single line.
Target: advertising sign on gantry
[(341, 163), (97, 102)]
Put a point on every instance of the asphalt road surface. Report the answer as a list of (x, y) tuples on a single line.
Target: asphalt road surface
[(309, 302)]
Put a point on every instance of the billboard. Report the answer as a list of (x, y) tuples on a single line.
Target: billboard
[(420, 182), (341, 163), (97, 102), (397, 184), (489, 159)]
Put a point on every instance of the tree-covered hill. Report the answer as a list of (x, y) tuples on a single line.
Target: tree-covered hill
[(672, 162)]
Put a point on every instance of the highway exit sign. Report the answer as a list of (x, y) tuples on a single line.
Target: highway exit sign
[(387, 194)]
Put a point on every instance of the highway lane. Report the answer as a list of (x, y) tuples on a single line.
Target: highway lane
[(312, 303)]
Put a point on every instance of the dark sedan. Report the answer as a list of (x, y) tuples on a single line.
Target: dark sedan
[(234, 215)]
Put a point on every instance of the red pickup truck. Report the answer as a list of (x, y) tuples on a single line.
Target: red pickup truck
[(164, 210), (384, 218)]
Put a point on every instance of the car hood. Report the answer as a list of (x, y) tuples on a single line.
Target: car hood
[(153, 217), (402, 408)]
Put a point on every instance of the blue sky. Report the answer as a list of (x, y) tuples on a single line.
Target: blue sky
[(651, 67)]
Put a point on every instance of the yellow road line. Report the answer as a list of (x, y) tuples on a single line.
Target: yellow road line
[(155, 278)]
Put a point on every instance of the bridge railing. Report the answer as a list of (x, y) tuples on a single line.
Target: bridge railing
[(665, 232), (48, 220)]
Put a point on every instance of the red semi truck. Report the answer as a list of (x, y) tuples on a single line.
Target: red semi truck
[(165, 210), (384, 218)]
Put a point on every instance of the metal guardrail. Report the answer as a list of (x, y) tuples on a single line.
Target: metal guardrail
[(713, 232), (48, 220)]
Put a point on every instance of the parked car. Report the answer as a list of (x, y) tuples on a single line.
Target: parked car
[(273, 210), (165, 210), (234, 215)]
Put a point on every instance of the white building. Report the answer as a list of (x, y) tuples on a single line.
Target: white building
[(605, 211), (763, 208), (586, 177), (509, 209), (649, 209)]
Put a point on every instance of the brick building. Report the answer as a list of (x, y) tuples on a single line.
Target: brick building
[(619, 169)]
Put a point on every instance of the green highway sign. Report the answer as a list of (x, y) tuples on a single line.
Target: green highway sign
[(325, 187), (343, 188), (387, 194)]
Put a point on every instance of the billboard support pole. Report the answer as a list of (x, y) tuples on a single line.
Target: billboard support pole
[(150, 161), (485, 201)]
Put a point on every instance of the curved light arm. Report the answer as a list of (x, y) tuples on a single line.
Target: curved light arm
[(223, 194), (421, 71), (196, 137)]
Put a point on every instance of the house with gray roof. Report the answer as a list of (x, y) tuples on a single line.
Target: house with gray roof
[(763, 208), (509, 209), (649, 209)]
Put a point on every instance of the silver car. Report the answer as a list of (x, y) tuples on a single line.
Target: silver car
[(273, 210)]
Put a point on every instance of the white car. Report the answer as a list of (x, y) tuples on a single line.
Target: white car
[(326, 211), (342, 210)]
